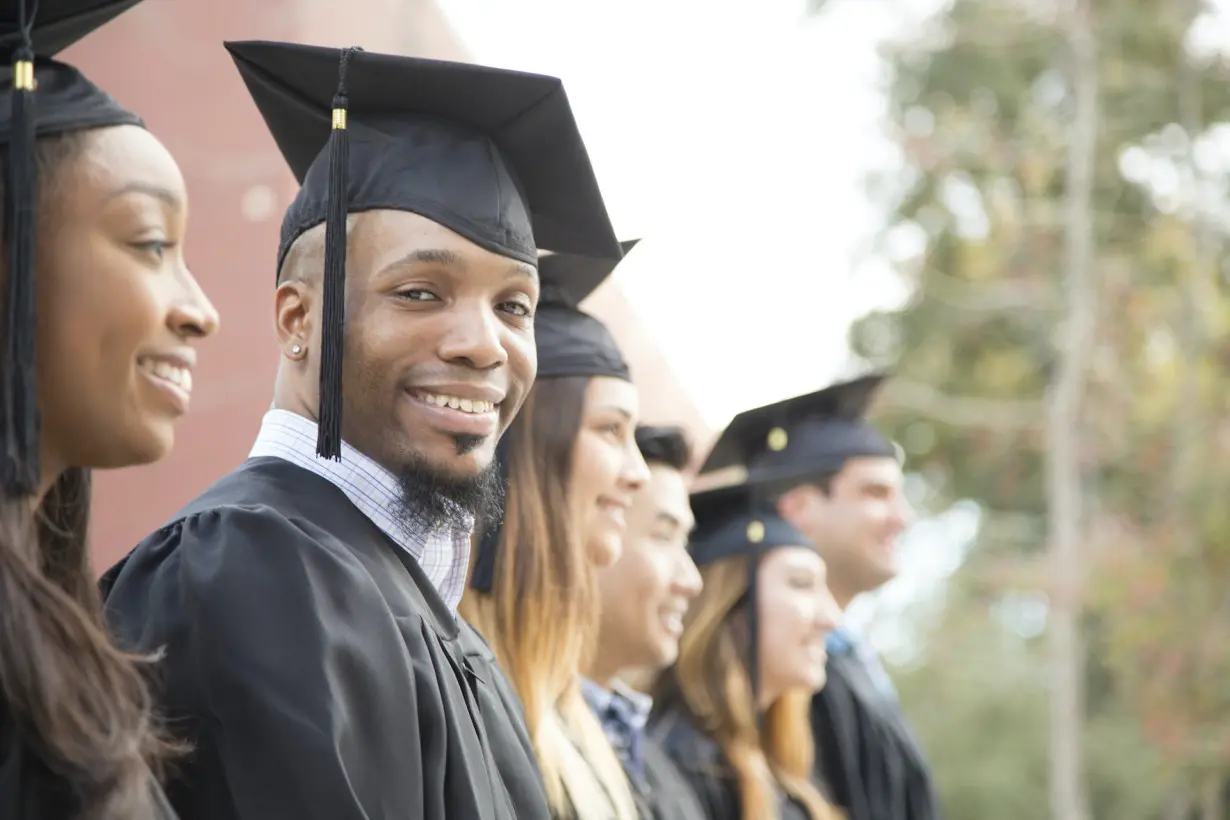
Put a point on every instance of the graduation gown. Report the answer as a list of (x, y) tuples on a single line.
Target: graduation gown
[(665, 793), (703, 765), (314, 667), (866, 754), (30, 790)]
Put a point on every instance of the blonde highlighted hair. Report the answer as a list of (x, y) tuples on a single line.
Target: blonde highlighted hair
[(711, 680), (541, 616)]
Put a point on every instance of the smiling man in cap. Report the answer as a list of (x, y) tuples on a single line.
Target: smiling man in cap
[(306, 602)]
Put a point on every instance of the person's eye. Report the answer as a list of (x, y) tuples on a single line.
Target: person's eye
[(154, 248), (519, 308), (417, 295)]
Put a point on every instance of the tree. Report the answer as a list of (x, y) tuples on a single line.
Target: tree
[(1065, 495), (984, 104)]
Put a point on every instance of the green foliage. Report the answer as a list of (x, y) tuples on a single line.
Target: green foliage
[(979, 106)]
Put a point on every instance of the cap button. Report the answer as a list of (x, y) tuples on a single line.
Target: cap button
[(755, 532), (777, 439)]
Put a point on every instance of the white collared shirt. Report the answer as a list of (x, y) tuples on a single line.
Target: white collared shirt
[(444, 554)]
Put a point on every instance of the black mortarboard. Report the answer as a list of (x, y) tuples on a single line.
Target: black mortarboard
[(736, 522), (42, 98), (570, 341), (494, 155), (731, 521), (802, 437)]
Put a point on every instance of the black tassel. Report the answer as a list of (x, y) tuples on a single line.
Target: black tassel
[(333, 311), (482, 576), (755, 534), (20, 402), (776, 440)]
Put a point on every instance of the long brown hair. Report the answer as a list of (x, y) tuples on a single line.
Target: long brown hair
[(79, 702), (711, 681), (541, 616)]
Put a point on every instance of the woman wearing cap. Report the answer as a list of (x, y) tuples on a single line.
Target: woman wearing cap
[(732, 711), (94, 213), (572, 465)]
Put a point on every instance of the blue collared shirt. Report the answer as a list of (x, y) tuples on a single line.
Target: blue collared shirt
[(623, 713), (842, 641)]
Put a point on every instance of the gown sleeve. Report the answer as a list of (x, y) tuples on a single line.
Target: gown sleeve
[(697, 763), (670, 796), (867, 755), (293, 683), (504, 724)]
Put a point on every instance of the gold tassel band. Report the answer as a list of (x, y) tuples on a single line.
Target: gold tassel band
[(23, 80)]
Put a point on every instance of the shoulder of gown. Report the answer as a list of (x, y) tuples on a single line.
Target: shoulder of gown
[(670, 795), (311, 682), (504, 720), (867, 758), (698, 759), (30, 790)]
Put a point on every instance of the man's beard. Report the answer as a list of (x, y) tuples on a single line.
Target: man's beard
[(438, 500)]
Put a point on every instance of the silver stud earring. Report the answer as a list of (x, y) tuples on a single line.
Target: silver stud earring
[(295, 350)]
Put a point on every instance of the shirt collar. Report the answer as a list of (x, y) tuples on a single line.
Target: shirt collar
[(443, 553), (623, 714), (638, 704), (840, 641)]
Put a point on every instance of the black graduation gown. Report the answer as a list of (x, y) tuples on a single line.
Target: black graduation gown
[(314, 666), (703, 765), (866, 754), (30, 790), (664, 794)]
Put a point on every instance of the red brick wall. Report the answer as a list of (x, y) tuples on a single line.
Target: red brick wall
[(165, 60)]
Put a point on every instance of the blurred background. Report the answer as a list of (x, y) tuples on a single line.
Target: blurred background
[(1019, 206)]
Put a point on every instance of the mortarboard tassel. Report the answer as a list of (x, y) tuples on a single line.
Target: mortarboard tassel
[(20, 402), (482, 576), (333, 311), (755, 534), (776, 440)]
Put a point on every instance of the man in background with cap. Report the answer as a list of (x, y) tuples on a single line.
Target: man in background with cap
[(305, 604), (839, 482)]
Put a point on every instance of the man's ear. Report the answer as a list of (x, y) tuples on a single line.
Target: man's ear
[(293, 315), (790, 504)]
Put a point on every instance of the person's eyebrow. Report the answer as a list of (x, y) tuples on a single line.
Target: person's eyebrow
[(156, 191)]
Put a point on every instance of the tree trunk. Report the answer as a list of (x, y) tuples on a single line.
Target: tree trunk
[(1198, 293), (1064, 490), (1179, 806), (1213, 804)]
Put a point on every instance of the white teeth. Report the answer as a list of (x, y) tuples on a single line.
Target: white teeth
[(458, 403), (179, 376), (674, 623)]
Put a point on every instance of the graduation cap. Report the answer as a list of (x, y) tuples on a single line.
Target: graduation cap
[(493, 155), (735, 522), (42, 98), (803, 437), (731, 521), (571, 342)]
